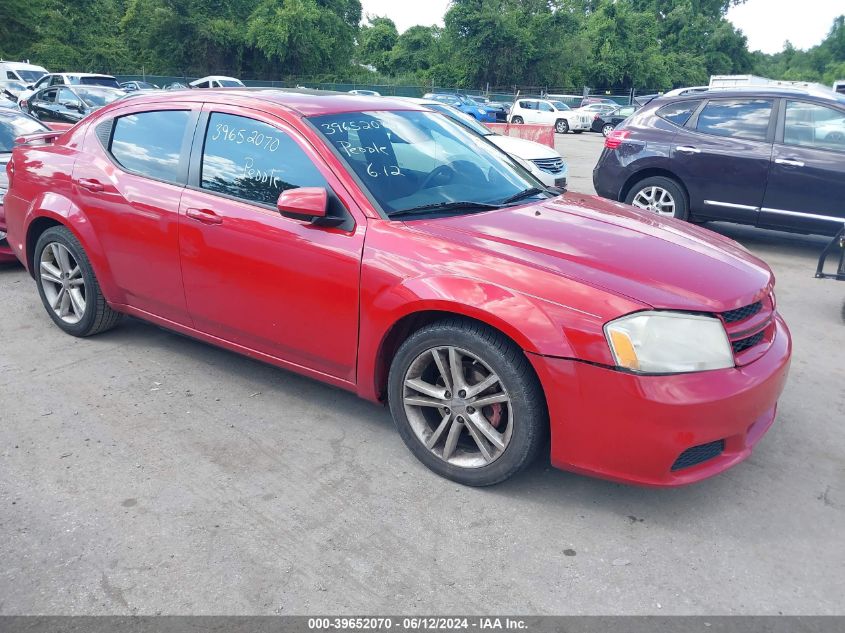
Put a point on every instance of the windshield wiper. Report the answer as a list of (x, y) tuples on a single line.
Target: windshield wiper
[(528, 193), (444, 206)]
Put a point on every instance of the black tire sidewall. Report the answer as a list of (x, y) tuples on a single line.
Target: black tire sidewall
[(529, 418), (562, 126), (517, 120), (64, 237), (681, 204)]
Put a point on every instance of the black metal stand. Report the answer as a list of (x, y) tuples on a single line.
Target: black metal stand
[(836, 244)]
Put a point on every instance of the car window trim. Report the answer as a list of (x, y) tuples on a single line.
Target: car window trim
[(198, 149), (193, 112), (692, 123)]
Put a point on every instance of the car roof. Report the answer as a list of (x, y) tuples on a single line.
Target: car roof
[(210, 77), (22, 65), (755, 91), (302, 102)]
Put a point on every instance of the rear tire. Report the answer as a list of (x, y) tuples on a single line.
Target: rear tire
[(68, 287), (474, 446), (660, 195), (562, 126), (607, 129), (517, 120)]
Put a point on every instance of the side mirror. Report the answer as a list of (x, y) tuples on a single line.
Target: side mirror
[(310, 202)]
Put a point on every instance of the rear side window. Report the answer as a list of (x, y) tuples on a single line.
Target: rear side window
[(678, 113), (253, 161), (99, 81), (737, 118), (813, 125), (150, 143)]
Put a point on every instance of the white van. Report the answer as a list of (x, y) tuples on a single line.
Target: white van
[(25, 73)]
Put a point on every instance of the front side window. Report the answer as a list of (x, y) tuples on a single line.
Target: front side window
[(736, 118), (254, 161), (150, 143), (678, 113), (408, 159), (813, 125), (48, 96)]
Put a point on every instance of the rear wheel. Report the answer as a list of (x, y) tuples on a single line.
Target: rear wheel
[(562, 126), (659, 195), (607, 128), (68, 287), (517, 120), (466, 402)]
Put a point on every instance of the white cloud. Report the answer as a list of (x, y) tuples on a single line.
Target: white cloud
[(769, 23)]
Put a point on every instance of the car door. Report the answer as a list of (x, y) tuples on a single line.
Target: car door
[(281, 286), (546, 113), (42, 105), (68, 107), (529, 111), (806, 185), (722, 157), (130, 192)]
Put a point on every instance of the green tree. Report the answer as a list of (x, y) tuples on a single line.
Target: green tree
[(376, 41)]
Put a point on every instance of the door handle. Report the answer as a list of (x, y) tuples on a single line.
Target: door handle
[(789, 162), (206, 216), (687, 149), (90, 184)]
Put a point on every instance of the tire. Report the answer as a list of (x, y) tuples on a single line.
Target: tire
[(517, 120), (649, 189), (519, 424), (90, 316), (607, 128), (561, 126), (577, 131)]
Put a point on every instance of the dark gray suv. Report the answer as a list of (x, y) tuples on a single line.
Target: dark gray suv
[(771, 158)]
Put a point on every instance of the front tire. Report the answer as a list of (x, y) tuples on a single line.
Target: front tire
[(607, 129), (467, 403), (660, 195), (562, 126), (68, 287)]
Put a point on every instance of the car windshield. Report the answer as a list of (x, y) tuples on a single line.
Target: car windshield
[(560, 105), (11, 127), (96, 98), (412, 161), (12, 85), (463, 119), (31, 76)]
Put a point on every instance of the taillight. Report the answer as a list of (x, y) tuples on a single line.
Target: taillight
[(616, 138)]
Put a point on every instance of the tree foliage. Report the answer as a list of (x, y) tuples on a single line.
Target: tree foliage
[(619, 44)]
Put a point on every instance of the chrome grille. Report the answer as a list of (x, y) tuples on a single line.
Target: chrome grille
[(550, 165)]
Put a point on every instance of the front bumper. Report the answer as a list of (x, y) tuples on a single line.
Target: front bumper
[(635, 429)]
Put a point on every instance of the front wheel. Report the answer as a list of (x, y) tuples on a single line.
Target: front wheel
[(659, 195), (562, 126), (607, 129), (68, 287), (466, 402), (517, 120)]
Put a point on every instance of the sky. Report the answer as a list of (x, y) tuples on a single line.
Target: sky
[(767, 23)]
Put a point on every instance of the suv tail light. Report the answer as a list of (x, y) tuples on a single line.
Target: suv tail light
[(616, 138)]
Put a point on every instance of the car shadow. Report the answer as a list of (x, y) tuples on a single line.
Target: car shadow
[(766, 240)]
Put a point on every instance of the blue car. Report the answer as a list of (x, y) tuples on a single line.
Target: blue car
[(480, 111)]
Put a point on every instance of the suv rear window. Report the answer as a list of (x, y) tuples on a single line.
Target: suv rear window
[(737, 118), (678, 113)]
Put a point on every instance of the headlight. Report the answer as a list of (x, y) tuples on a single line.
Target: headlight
[(669, 343)]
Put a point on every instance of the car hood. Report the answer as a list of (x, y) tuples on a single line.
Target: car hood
[(522, 148), (663, 263)]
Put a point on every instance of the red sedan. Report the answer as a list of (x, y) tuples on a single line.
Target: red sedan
[(383, 248)]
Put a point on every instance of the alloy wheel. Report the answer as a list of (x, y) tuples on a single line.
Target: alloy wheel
[(607, 129), (457, 407), (655, 199), (63, 283)]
